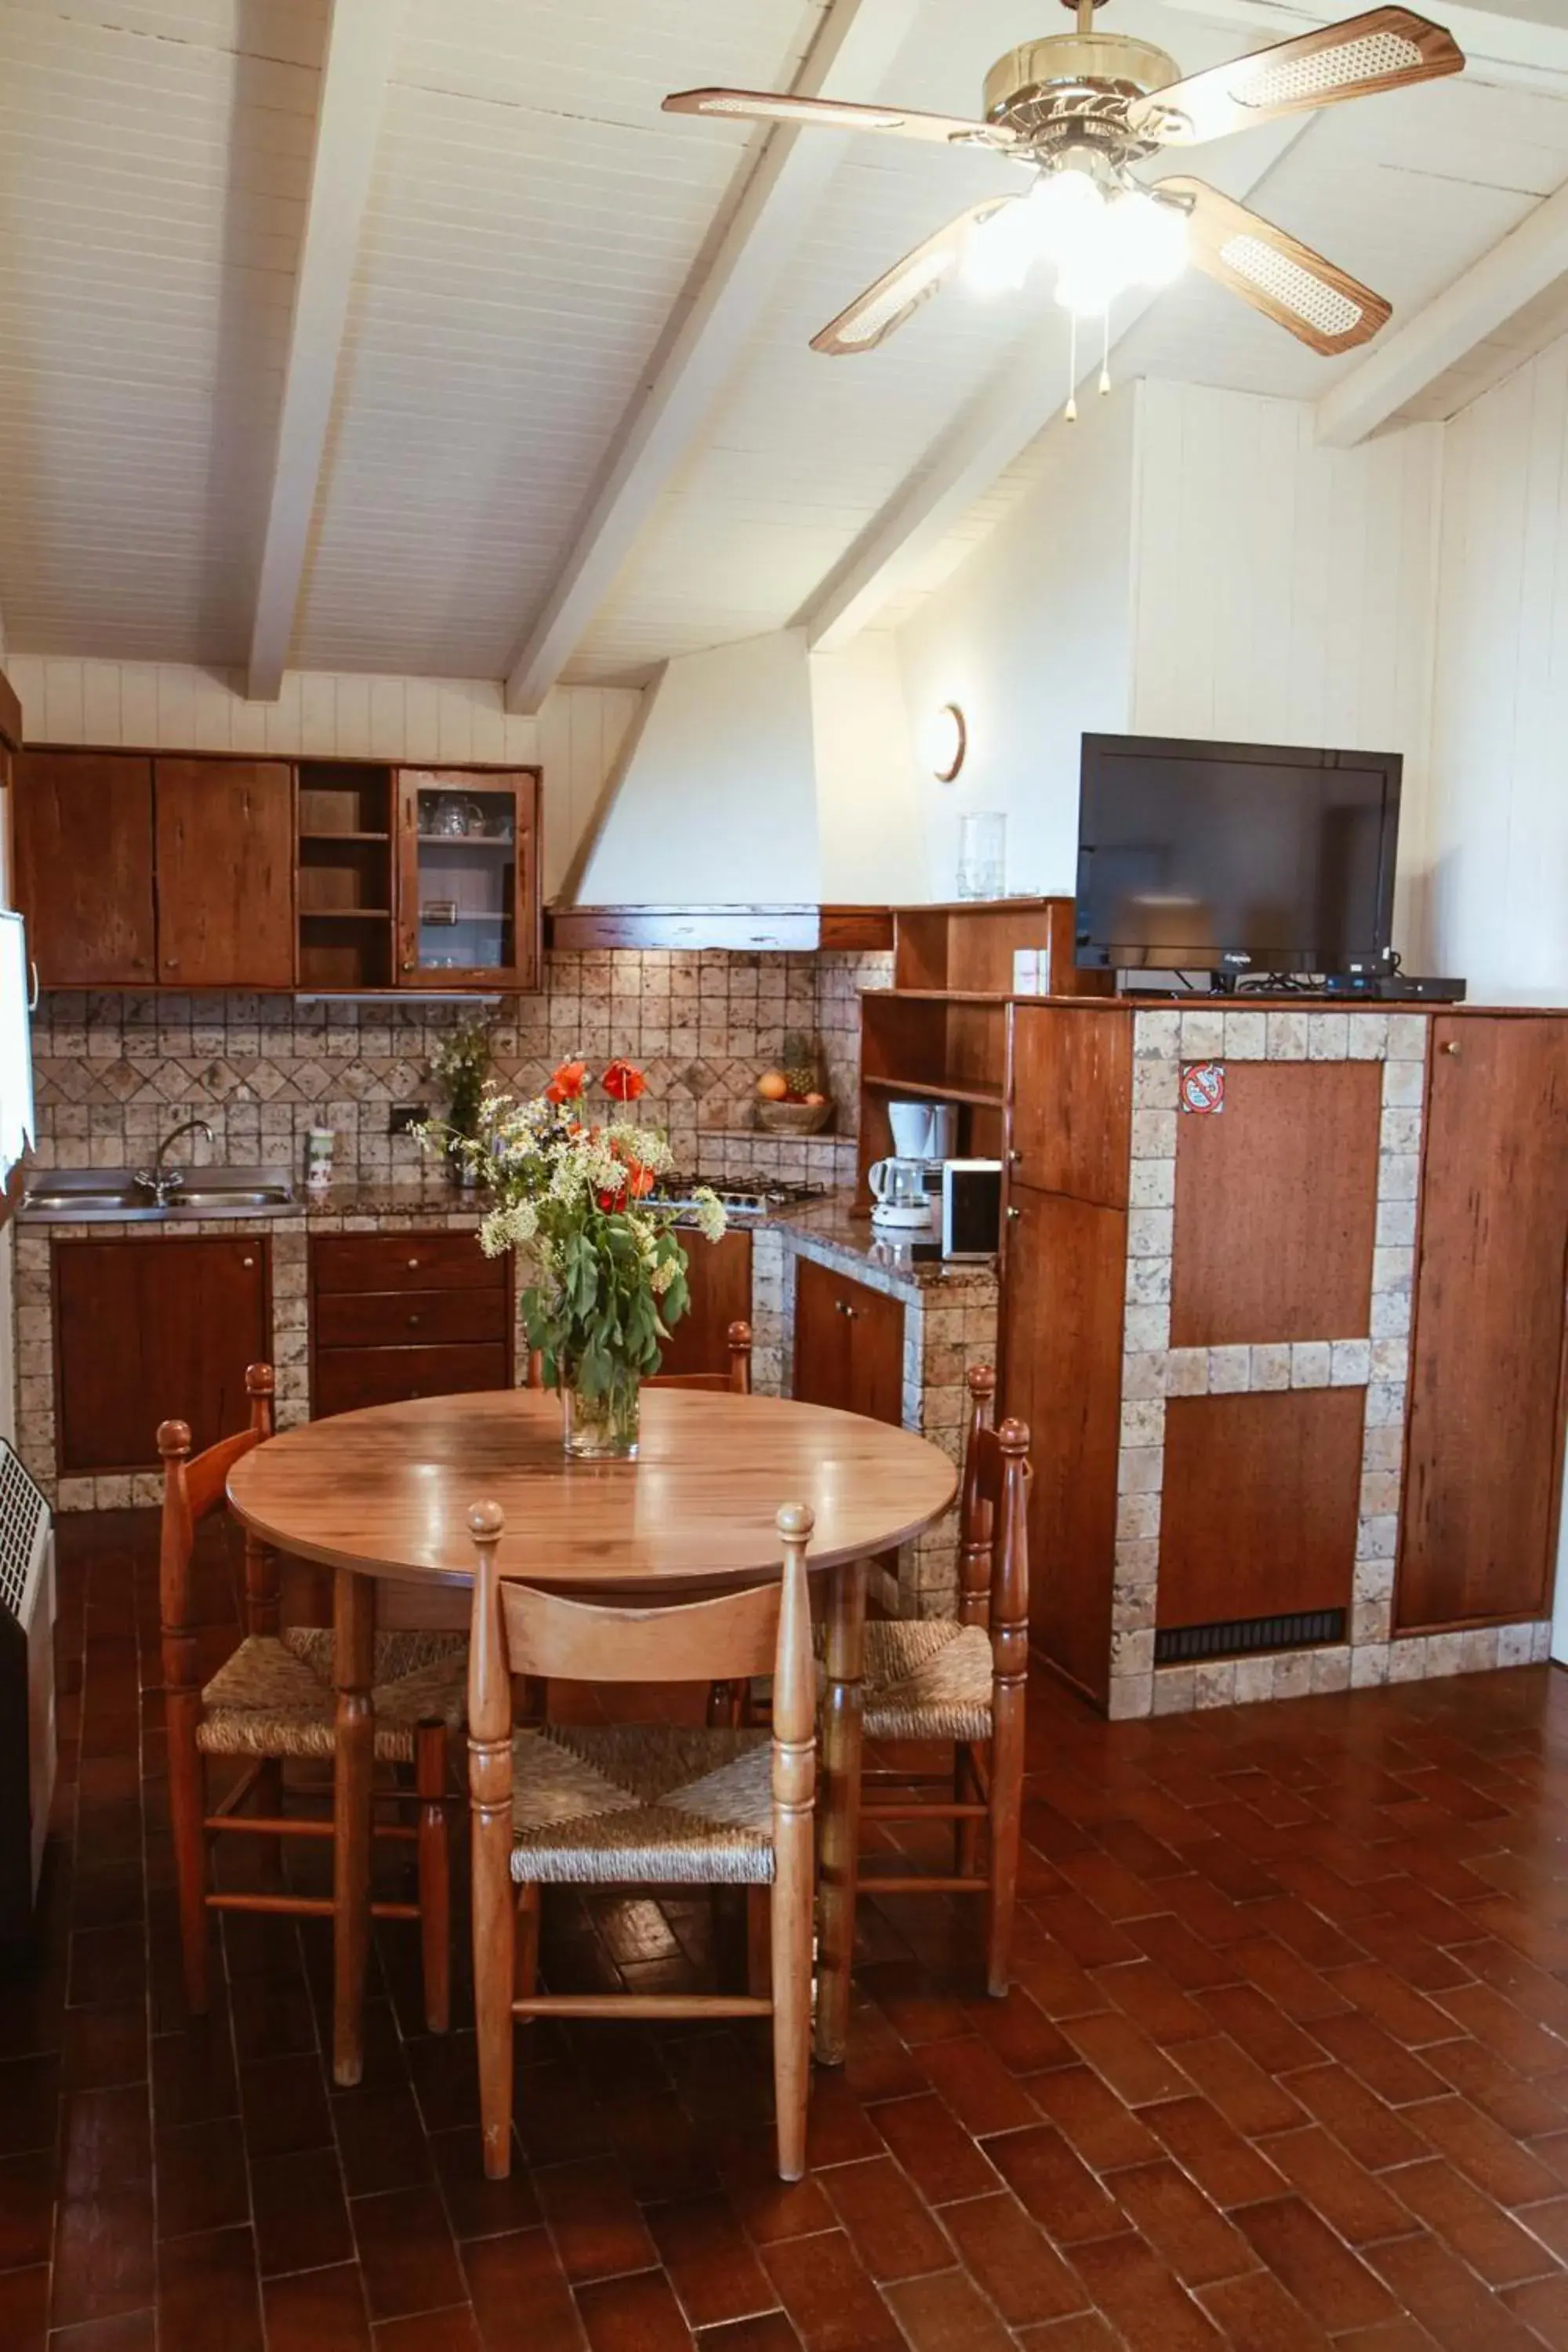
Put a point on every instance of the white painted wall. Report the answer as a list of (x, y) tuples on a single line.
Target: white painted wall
[(1286, 593), (868, 811), (1499, 801), (1032, 637), (328, 714), (718, 805)]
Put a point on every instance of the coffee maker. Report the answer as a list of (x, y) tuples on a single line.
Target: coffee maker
[(905, 1185)]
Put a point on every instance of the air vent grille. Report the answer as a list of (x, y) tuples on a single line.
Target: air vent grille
[(1240, 1637), (22, 1508)]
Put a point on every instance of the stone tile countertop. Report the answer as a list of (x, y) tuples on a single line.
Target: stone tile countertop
[(829, 1230)]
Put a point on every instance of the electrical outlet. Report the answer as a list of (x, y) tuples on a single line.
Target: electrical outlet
[(407, 1115)]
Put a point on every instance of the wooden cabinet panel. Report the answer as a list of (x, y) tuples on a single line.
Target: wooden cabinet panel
[(82, 830), (1277, 1206), (1070, 1101), (1259, 1515), (409, 1318), (1061, 1373), (719, 1277), (224, 836), (1485, 1439), (361, 1262), (848, 1344), (347, 1378), (151, 1330)]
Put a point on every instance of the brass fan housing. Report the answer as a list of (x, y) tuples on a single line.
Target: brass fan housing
[(1076, 86)]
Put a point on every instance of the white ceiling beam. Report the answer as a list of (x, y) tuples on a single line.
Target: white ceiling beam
[(857, 41), (360, 39), (1500, 43), (1019, 400), (1530, 258)]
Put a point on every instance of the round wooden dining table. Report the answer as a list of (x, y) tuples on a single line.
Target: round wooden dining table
[(382, 1497)]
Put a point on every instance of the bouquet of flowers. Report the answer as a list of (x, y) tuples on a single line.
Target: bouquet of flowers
[(575, 1200)]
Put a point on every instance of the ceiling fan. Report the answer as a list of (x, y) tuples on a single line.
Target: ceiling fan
[(1080, 108)]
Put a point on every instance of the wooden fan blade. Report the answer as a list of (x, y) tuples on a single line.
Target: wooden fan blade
[(1386, 48), (874, 315), (839, 114), (1275, 273)]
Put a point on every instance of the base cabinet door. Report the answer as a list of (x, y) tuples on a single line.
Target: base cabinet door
[(719, 1278), (153, 1331), (848, 1344), (1484, 1447), (1061, 1375), (396, 1317)]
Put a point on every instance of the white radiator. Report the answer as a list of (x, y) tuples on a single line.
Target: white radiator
[(27, 1690)]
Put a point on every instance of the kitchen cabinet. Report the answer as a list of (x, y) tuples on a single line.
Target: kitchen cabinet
[(848, 1344), (82, 837), (1485, 1445), (399, 1315), (469, 912), (224, 850), (719, 1277), (154, 1330)]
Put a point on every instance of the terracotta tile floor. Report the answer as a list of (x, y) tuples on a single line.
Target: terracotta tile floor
[(1287, 2067)]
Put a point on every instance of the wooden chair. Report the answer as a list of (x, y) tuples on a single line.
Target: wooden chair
[(934, 1679), (619, 1804), (727, 1702), (274, 1700)]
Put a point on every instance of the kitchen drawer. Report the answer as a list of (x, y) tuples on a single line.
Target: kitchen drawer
[(347, 1378), (408, 1319), (360, 1262)]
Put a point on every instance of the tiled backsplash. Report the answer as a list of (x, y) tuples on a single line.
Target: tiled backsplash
[(116, 1071)]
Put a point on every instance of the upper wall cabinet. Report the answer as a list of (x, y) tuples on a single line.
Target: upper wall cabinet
[(82, 842), (334, 876), (224, 868), (468, 886)]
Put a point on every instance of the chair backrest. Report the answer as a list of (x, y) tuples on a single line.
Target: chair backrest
[(738, 1378), (191, 1491), (517, 1630), (994, 1536)]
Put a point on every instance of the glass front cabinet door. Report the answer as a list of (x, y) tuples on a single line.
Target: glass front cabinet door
[(469, 912)]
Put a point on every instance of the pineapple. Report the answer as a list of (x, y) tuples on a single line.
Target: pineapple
[(799, 1065)]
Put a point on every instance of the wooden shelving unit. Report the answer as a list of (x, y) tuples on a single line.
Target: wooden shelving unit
[(941, 1032), (346, 882)]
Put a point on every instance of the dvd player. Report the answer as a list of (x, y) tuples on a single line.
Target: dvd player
[(1395, 987)]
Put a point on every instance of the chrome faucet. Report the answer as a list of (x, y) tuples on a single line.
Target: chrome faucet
[(162, 1182)]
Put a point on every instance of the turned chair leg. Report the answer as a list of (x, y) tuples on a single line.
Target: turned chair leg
[(965, 1834), (790, 1938), (433, 1848), (1003, 1827), (187, 1810), (525, 1950)]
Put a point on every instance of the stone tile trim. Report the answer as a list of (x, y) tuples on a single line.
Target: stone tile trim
[(1377, 1362)]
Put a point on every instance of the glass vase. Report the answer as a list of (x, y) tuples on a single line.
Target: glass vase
[(602, 1428)]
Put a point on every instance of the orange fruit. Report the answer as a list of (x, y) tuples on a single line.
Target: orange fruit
[(773, 1085)]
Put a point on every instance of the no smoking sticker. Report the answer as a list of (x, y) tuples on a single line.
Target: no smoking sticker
[(1202, 1087)]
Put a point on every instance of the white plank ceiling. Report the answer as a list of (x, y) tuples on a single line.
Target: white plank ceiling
[(534, 226)]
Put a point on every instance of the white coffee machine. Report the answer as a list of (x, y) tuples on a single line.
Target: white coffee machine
[(904, 1185)]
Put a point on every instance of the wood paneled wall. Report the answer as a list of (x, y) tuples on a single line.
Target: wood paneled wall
[(332, 714)]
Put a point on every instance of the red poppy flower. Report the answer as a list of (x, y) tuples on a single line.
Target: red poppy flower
[(642, 1181), (624, 1081), (566, 1084)]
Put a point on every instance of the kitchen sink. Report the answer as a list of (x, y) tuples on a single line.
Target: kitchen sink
[(105, 1195)]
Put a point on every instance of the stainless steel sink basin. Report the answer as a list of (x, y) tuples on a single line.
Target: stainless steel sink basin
[(112, 1195)]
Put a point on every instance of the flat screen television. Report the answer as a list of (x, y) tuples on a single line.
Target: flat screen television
[(1234, 857)]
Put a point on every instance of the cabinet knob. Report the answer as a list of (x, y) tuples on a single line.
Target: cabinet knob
[(1450, 1045), (408, 963), (412, 1322), (1014, 1214), (247, 1261), (1015, 1158), (413, 1264), (171, 963)]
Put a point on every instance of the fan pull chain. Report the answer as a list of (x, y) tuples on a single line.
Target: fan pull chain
[(1105, 355), (1070, 412)]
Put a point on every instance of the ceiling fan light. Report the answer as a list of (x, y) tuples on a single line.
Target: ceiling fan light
[(1001, 250), (1064, 208), (1149, 237)]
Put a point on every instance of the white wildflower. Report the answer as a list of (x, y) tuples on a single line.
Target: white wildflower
[(709, 1210)]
